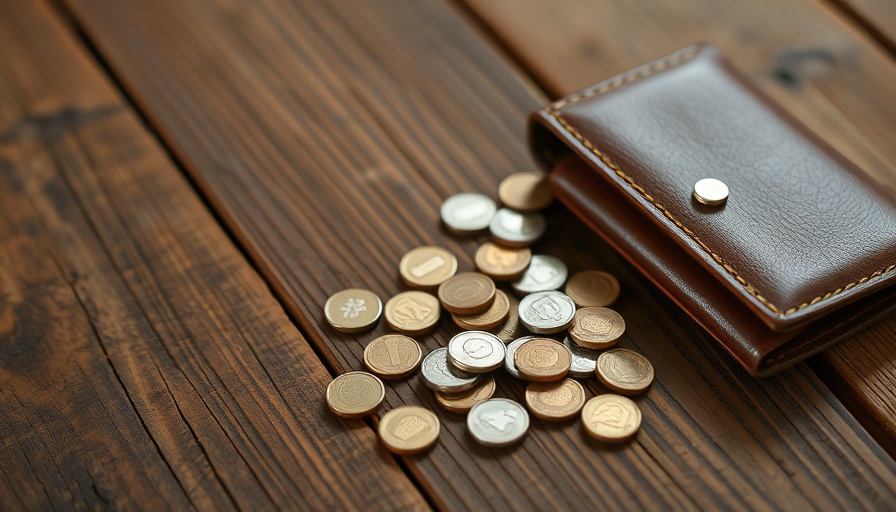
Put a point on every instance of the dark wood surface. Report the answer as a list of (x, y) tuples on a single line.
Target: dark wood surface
[(143, 363), (810, 60), (323, 135)]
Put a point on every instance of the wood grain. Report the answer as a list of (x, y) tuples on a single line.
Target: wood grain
[(876, 17), (838, 82), (143, 363), (326, 134)]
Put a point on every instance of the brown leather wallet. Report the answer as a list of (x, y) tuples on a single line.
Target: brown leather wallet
[(803, 253)]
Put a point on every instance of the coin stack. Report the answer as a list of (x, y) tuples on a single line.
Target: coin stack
[(551, 337)]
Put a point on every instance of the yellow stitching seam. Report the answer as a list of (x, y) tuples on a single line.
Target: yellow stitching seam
[(674, 60)]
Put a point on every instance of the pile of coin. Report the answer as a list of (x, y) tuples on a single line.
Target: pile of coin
[(533, 331)]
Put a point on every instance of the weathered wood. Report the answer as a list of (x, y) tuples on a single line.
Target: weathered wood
[(326, 134), (143, 363), (877, 17), (838, 83)]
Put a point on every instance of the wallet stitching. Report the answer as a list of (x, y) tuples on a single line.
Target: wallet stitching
[(645, 71)]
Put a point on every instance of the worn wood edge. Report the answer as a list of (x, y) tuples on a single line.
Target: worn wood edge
[(873, 16)]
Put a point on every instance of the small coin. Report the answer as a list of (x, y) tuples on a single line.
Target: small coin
[(467, 213), (476, 351), (547, 312), (502, 263), (592, 288), (408, 429), (413, 312), (516, 229), (427, 267), (555, 401), (525, 191), (512, 327), (584, 361), (489, 319), (542, 360), (353, 310), (596, 328), (355, 394), (711, 191), (463, 402), (440, 376), (393, 356), (497, 422), (624, 371), (467, 293), (544, 273), (511, 351), (611, 418)]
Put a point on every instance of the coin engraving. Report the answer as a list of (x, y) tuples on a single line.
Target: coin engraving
[(624, 371), (541, 357), (499, 420), (428, 267), (543, 273), (611, 418), (596, 328), (355, 394), (353, 308), (408, 310), (547, 312), (408, 429), (478, 348), (467, 293), (393, 356), (542, 360), (546, 308), (476, 351), (555, 401)]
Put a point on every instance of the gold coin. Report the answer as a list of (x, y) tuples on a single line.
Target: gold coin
[(355, 394), (467, 293), (412, 312), (427, 267), (408, 429), (525, 191), (611, 418), (353, 310), (502, 263), (511, 329), (489, 319), (624, 371), (542, 360), (592, 288), (596, 328), (555, 401), (463, 402), (393, 356)]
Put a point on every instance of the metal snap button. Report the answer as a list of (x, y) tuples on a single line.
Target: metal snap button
[(711, 191)]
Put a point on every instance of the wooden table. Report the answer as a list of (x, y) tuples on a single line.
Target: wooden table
[(184, 182)]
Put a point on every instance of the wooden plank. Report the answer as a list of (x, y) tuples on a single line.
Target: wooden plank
[(326, 134), (877, 17), (803, 55), (143, 363)]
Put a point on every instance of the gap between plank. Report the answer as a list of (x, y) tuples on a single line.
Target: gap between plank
[(851, 16)]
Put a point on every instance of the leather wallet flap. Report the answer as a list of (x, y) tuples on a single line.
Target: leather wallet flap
[(803, 231)]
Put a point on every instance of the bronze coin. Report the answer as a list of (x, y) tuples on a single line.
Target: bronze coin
[(555, 401), (427, 267), (353, 310), (502, 263), (355, 394), (596, 328), (611, 418), (467, 293), (512, 328), (408, 429), (489, 319), (412, 312), (393, 356), (525, 191), (624, 371), (542, 360), (461, 403), (593, 288)]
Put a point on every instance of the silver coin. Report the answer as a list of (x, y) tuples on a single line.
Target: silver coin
[(584, 361), (508, 357), (468, 213), (476, 351), (544, 273), (517, 229), (440, 376), (498, 422), (547, 312)]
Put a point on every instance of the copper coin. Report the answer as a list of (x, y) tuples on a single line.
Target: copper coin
[(393, 356), (427, 267), (408, 429), (502, 263), (542, 360), (592, 288), (624, 371), (355, 394), (511, 329), (596, 328), (467, 293), (463, 402), (353, 310), (489, 319), (525, 191), (555, 401), (611, 418), (413, 312)]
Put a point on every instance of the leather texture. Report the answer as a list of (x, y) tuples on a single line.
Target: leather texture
[(802, 254)]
